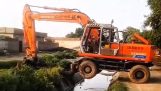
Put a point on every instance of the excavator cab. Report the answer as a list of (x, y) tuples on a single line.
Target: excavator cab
[(98, 38), (109, 36)]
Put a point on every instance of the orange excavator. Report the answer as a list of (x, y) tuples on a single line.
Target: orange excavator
[(101, 45)]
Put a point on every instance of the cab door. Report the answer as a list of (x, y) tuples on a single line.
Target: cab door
[(90, 40)]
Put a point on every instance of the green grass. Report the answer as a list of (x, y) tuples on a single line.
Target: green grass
[(118, 86), (4, 72)]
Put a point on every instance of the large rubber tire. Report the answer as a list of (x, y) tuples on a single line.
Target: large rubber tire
[(88, 69), (139, 74)]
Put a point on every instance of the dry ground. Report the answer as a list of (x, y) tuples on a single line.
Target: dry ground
[(17, 57), (154, 83)]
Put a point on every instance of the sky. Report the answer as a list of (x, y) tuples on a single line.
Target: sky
[(124, 13)]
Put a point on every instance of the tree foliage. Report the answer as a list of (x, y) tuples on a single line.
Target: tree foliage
[(154, 21), (128, 32), (153, 37), (77, 34)]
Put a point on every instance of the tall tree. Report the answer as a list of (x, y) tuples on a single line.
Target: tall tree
[(154, 21)]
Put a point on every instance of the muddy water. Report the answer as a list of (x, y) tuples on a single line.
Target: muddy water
[(98, 83)]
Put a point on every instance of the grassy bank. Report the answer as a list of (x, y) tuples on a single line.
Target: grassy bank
[(28, 78)]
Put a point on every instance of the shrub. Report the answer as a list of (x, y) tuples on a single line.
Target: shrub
[(27, 78), (50, 60), (54, 74), (25, 70), (64, 64), (42, 81), (8, 82), (69, 55), (64, 54), (118, 86), (58, 58)]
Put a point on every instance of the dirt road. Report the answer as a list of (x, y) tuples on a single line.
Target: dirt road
[(17, 57), (154, 83)]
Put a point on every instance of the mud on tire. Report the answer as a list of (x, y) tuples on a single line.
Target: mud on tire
[(88, 69), (139, 74)]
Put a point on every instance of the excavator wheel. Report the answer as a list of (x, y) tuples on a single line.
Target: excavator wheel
[(139, 74), (88, 69)]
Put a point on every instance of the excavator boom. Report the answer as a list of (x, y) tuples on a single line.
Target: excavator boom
[(59, 15)]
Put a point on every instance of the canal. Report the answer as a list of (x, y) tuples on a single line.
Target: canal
[(99, 83)]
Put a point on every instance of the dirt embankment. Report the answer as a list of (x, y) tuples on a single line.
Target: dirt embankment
[(154, 84)]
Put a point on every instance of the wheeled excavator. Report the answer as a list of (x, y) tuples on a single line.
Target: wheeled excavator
[(101, 46)]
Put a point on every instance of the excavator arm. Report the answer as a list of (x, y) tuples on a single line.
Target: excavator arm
[(59, 15)]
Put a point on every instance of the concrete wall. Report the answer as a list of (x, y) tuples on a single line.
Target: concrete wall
[(46, 46), (4, 45), (71, 43), (13, 46), (9, 45)]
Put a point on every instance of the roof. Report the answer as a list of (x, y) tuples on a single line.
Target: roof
[(8, 30), (101, 25)]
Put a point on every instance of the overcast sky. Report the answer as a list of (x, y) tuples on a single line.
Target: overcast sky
[(123, 12)]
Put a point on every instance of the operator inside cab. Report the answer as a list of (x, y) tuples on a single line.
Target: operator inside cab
[(108, 36), (105, 39), (93, 40)]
